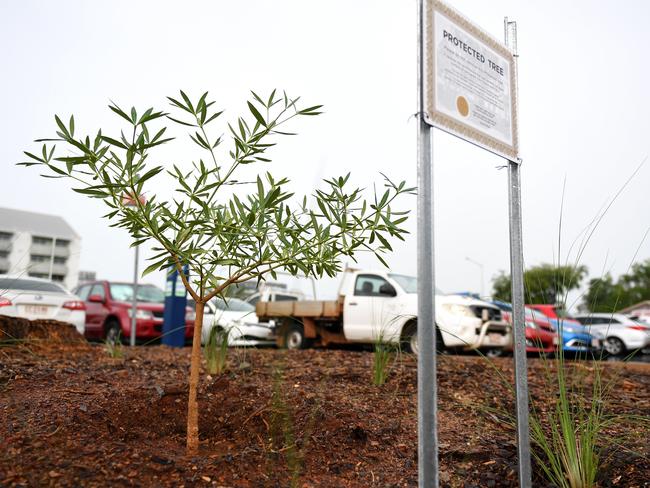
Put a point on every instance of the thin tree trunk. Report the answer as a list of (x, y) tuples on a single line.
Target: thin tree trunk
[(195, 365)]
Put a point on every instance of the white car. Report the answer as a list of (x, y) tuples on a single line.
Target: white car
[(622, 334), (35, 298), (239, 319)]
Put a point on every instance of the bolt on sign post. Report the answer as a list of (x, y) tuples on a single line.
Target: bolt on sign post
[(129, 201), (467, 87)]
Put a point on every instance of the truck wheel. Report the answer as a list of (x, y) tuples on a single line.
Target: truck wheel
[(113, 332), (294, 337), (410, 339)]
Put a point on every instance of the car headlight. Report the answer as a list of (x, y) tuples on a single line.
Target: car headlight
[(456, 309), (140, 314)]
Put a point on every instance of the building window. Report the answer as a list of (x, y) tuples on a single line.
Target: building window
[(58, 260), (6, 236), (62, 243), (39, 258), (42, 240), (4, 254), (59, 278), (38, 275)]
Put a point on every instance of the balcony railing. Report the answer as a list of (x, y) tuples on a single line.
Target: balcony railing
[(44, 268), (46, 250)]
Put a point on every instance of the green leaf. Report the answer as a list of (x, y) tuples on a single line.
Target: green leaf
[(63, 128), (119, 111), (187, 101), (113, 142), (311, 110), (181, 122), (212, 117), (91, 192), (33, 156), (154, 267), (179, 104), (256, 114), (384, 242)]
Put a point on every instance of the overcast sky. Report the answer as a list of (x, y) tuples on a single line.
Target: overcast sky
[(583, 112)]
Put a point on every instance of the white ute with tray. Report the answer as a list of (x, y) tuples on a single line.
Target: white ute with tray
[(381, 306)]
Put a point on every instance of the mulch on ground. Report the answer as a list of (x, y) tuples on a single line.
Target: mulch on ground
[(73, 416)]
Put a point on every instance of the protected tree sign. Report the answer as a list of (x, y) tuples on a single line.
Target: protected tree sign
[(469, 78)]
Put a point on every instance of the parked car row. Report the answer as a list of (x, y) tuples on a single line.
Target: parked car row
[(613, 334), (371, 306)]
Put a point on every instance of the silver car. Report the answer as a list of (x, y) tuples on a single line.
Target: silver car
[(622, 334), (35, 298)]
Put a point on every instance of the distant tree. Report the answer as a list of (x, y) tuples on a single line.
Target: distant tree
[(606, 295), (226, 233), (542, 284)]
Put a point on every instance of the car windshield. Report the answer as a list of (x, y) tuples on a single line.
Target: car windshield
[(29, 285), (123, 292), (408, 283), (233, 305)]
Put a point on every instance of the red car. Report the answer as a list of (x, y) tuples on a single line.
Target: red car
[(540, 337), (548, 310), (108, 311)]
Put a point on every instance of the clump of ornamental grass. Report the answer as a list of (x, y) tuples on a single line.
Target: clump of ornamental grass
[(113, 347), (216, 350), (569, 435), (382, 354)]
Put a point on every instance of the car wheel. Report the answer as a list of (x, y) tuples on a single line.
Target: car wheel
[(614, 346), (294, 337), (113, 332), (410, 339)]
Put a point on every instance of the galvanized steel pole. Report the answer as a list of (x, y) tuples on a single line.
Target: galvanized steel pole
[(427, 394), (517, 284), (134, 303)]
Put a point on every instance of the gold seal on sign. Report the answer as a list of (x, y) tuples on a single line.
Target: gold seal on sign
[(462, 105)]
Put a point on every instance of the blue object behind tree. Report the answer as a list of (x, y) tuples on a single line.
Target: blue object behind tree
[(174, 316)]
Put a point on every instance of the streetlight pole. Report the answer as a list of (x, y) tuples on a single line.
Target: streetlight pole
[(130, 201), (480, 265)]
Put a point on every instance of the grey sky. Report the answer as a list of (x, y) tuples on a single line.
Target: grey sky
[(583, 111)]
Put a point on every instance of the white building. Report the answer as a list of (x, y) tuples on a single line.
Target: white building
[(39, 245)]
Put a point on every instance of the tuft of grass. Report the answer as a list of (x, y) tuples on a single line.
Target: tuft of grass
[(114, 348), (383, 352), (282, 429), (568, 434), (216, 350)]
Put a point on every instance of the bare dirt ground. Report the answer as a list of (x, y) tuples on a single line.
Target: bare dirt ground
[(73, 416)]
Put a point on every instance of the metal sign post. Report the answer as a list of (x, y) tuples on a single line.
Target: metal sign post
[(517, 288), (427, 388), (134, 304), (466, 87)]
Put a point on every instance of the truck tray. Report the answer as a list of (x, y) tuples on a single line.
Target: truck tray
[(299, 308)]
